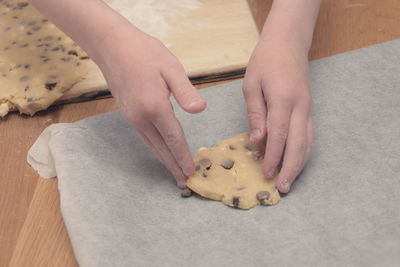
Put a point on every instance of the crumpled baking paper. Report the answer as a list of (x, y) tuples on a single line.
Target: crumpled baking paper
[(122, 207)]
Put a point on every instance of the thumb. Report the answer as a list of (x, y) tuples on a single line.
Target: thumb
[(184, 92)]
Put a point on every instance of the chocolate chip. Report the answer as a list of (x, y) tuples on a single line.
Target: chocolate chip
[(204, 174), (15, 17), (55, 49), (231, 147), (227, 164), (14, 42), (250, 147), (27, 88), (44, 20), (24, 78), (186, 192), (50, 86), (27, 66), (263, 196), (48, 38), (72, 52), (25, 45), (206, 163), (28, 33), (235, 201), (197, 168), (84, 57), (22, 4)]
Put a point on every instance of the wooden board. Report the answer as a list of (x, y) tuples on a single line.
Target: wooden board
[(213, 40)]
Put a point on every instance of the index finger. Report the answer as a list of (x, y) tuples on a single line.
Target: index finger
[(172, 133)]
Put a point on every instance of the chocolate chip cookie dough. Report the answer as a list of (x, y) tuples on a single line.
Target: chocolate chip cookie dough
[(231, 171), (38, 62)]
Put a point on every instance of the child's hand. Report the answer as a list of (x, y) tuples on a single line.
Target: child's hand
[(142, 73), (279, 105)]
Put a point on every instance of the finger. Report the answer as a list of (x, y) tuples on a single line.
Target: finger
[(184, 92), (277, 127), (173, 136), (296, 151), (256, 110), (154, 140)]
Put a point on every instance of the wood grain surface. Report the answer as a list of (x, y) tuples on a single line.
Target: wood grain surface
[(32, 232)]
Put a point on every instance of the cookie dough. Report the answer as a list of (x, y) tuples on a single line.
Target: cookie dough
[(38, 62), (231, 171)]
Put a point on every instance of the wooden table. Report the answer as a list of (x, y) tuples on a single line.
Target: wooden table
[(32, 231)]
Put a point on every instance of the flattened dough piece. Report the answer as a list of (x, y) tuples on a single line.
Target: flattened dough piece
[(231, 171), (38, 62)]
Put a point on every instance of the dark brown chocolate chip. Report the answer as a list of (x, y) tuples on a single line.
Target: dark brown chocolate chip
[(72, 52), (15, 17), (235, 201), (186, 192), (28, 33), (36, 28), (14, 42), (231, 147), (204, 174), (84, 57), (197, 168), (206, 163), (46, 59), (27, 88), (263, 196), (50, 86), (25, 45), (227, 164), (27, 66), (22, 4), (250, 147)]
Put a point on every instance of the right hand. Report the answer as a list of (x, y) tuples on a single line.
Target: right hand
[(141, 74)]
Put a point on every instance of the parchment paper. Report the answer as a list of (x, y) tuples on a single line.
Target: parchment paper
[(122, 208)]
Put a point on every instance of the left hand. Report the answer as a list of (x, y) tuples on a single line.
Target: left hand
[(279, 105)]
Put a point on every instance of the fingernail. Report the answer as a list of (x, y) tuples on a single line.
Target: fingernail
[(254, 134), (271, 172), (187, 171), (285, 185), (181, 184), (195, 101)]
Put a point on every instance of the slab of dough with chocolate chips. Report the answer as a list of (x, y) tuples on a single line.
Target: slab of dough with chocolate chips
[(231, 171), (38, 62)]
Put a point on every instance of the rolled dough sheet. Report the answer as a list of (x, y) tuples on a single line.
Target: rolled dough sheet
[(122, 208)]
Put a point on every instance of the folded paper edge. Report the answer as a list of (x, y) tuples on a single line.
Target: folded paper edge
[(39, 155)]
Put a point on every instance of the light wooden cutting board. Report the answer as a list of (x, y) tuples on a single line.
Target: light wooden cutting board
[(213, 39)]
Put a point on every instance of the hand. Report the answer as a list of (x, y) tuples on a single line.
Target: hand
[(279, 106), (142, 73)]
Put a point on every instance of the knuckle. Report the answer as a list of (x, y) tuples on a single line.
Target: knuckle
[(173, 138), (279, 132), (255, 116)]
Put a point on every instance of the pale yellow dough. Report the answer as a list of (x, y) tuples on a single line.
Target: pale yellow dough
[(38, 62), (241, 185)]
